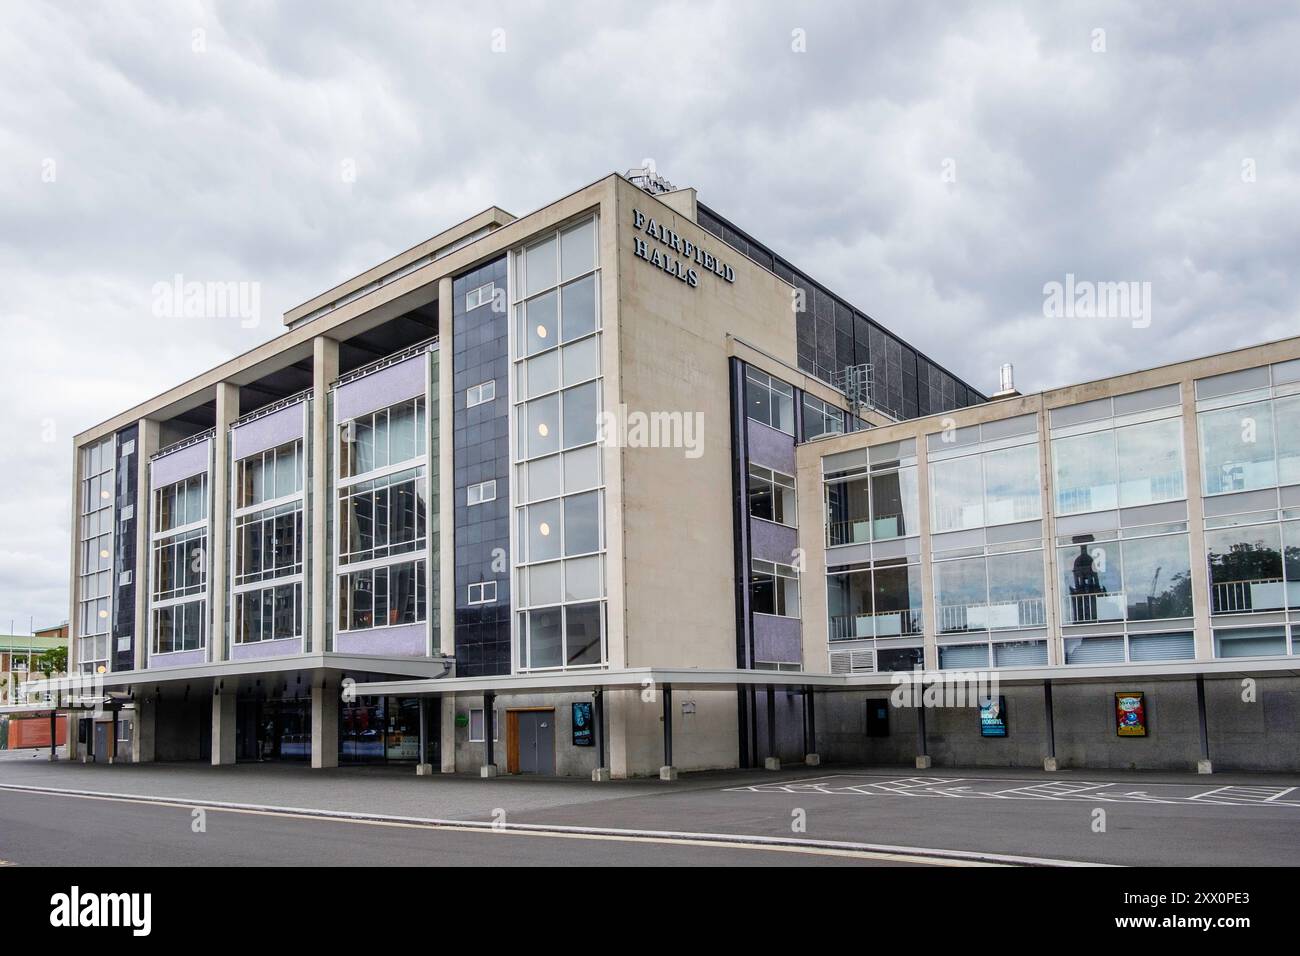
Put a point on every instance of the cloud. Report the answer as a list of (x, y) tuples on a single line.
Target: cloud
[(210, 141)]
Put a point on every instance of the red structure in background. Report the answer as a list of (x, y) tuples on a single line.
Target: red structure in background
[(35, 732)]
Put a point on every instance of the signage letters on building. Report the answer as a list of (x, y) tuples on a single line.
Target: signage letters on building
[(689, 259)]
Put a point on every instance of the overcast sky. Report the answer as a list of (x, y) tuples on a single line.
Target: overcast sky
[(935, 164)]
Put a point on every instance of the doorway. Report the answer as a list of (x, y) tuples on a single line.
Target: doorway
[(530, 741)]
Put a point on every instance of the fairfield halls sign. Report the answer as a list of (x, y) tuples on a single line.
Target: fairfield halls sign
[(681, 257)]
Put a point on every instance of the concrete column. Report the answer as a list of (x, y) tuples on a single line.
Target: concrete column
[(601, 773), (324, 723), (448, 731), (219, 522), (1051, 591), (1049, 719), (422, 768), (668, 771), (146, 444), (74, 619), (223, 723), (489, 768), (620, 704), (1203, 765), (324, 370), (772, 761), (923, 761), (54, 733), (142, 733), (810, 755), (929, 611), (447, 479), (1202, 635)]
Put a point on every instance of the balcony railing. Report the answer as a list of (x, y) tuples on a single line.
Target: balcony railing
[(848, 627), (1006, 615), (1238, 597), (1092, 608), (862, 530)]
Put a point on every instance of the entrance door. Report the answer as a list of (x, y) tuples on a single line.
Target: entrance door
[(535, 740), (101, 739)]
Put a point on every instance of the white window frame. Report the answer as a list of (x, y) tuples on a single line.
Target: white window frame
[(482, 592), (481, 493), (481, 295), (481, 394)]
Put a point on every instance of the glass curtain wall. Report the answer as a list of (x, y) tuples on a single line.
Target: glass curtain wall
[(268, 555), (559, 496)]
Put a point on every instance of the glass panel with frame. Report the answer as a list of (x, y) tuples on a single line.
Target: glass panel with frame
[(559, 581), (381, 519)]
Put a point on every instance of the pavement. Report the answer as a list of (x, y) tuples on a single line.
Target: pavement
[(278, 813)]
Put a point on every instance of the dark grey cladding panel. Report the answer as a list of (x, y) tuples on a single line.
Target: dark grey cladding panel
[(776, 639), (772, 448), (772, 542)]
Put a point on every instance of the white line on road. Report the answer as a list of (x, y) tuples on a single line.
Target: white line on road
[(894, 854)]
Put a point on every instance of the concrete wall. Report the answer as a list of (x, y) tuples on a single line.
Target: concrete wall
[(1244, 735), (676, 514)]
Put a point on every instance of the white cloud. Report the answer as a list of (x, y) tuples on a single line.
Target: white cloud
[(225, 165)]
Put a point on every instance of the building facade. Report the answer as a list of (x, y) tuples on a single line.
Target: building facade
[(613, 487)]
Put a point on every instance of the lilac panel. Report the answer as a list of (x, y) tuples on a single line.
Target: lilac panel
[(244, 652), (179, 659), (184, 463), (776, 639), (772, 448), (268, 431), (772, 542), (406, 641), (380, 389)]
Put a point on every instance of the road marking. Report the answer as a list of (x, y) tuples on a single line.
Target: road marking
[(868, 851), (1053, 790)]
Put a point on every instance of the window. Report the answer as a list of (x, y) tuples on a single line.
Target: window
[(179, 566), (481, 492), (383, 517), (483, 593), (872, 507), (95, 565), (390, 436), (381, 522), (774, 589), (556, 341), (991, 593), (769, 400), (385, 596), (271, 613), (480, 394), (566, 636), (1249, 642), (1249, 569), (480, 296), (874, 600), (772, 496), (820, 418), (476, 725), (1249, 423), (270, 475), (994, 487), (268, 546), (1145, 575)]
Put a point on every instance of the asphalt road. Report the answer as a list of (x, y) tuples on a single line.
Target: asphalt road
[(48, 830), (1074, 816)]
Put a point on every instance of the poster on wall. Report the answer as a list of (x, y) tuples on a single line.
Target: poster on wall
[(993, 716), (582, 724), (1130, 714)]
